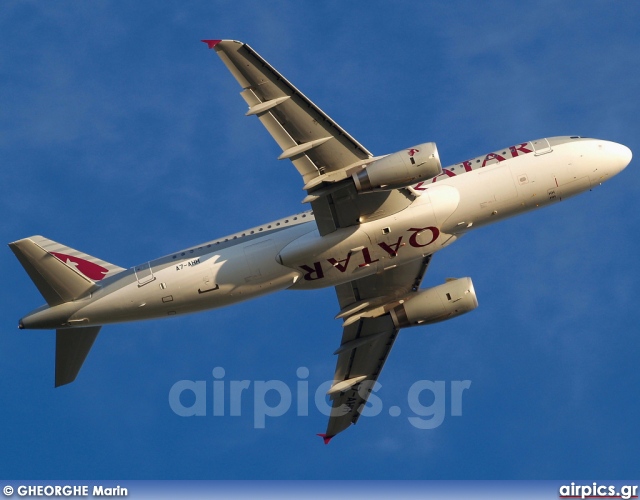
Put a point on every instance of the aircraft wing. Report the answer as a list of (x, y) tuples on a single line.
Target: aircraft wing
[(323, 152), (326, 155), (367, 338)]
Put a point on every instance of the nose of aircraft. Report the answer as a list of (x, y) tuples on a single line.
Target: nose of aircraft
[(619, 157), (605, 160)]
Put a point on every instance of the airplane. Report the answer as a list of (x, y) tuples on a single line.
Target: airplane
[(373, 226)]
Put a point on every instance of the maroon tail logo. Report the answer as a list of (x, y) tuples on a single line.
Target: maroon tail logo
[(89, 269), (413, 151)]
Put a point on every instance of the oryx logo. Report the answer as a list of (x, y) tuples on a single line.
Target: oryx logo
[(89, 269), (413, 151)]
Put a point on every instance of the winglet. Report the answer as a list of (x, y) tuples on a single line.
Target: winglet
[(325, 438), (211, 43)]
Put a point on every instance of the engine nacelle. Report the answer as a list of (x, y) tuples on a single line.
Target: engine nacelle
[(439, 303), (419, 163)]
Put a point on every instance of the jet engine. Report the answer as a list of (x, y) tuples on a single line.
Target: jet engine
[(446, 301), (419, 163)]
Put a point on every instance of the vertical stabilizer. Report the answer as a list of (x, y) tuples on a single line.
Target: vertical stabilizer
[(61, 273)]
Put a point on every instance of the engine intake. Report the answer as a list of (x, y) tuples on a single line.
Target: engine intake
[(419, 163), (439, 303)]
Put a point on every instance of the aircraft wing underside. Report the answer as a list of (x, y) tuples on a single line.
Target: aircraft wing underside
[(366, 340), (325, 155), (323, 152)]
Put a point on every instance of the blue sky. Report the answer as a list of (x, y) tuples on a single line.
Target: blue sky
[(121, 135)]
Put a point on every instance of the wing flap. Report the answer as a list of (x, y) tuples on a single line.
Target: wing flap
[(367, 338), (362, 364), (378, 289)]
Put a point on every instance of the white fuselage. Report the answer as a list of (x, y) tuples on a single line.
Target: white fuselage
[(290, 253)]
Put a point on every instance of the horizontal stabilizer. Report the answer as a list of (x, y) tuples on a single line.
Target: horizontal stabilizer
[(72, 347)]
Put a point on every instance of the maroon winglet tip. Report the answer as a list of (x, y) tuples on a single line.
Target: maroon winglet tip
[(325, 438), (211, 43)]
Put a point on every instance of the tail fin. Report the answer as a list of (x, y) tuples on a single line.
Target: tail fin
[(72, 347), (61, 273)]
